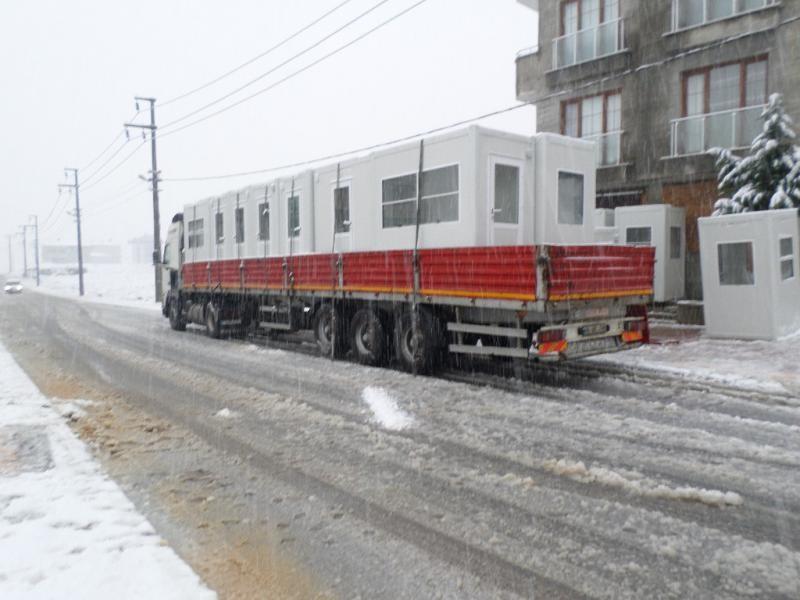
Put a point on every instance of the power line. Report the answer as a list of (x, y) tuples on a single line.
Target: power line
[(115, 167), (277, 67), (107, 148), (113, 204), (299, 71), (257, 57), (108, 160), (350, 152), (530, 102)]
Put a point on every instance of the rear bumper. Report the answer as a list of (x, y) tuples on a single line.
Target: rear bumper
[(618, 337)]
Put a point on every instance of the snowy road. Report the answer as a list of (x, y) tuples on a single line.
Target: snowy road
[(329, 479)]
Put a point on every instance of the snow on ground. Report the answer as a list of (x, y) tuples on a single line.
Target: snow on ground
[(384, 409), (66, 529), (751, 365), (122, 285)]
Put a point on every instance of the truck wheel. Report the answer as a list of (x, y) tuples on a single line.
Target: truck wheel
[(418, 348), (323, 331), (212, 322), (176, 320), (368, 337)]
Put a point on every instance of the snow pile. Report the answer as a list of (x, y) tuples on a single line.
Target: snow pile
[(640, 486), (225, 413), (121, 284), (748, 365), (66, 529), (385, 410)]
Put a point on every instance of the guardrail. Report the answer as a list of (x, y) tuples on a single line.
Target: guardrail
[(733, 128), (589, 44)]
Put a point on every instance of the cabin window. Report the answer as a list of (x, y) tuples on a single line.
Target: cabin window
[(786, 247), (341, 209), (239, 225), (439, 201), (399, 201), (639, 236), (506, 194), (570, 198), (263, 221), (294, 216), (675, 239), (735, 261), (195, 231), (439, 195), (220, 232)]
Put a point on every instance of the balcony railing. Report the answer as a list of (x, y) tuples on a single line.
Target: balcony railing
[(724, 129), (607, 147), (693, 13), (588, 44)]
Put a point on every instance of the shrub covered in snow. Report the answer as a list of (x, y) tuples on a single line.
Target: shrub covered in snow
[(769, 176)]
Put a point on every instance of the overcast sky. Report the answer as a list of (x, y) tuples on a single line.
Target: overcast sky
[(70, 69)]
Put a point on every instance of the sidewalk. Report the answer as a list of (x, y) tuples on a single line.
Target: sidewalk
[(66, 529), (750, 365)]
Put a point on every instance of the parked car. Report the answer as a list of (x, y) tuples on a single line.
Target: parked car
[(13, 286)]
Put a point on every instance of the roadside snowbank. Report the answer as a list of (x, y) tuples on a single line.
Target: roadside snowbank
[(66, 529), (750, 365), (122, 285)]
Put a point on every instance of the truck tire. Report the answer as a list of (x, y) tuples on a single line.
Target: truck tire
[(418, 349), (368, 337), (323, 331), (176, 319), (213, 328)]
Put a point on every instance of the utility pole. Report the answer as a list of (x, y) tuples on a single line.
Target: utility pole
[(36, 244), (154, 178), (24, 250), (76, 186)]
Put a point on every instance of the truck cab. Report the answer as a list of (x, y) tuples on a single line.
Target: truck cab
[(171, 262)]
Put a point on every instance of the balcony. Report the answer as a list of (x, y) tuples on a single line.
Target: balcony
[(724, 129), (696, 13), (607, 147), (589, 44)]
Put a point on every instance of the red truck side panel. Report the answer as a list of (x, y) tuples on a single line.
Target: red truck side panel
[(501, 272)]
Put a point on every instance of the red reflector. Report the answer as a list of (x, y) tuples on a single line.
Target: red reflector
[(639, 325), (550, 335)]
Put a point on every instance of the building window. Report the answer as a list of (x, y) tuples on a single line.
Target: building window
[(786, 248), (506, 194), (721, 107), (589, 29), (598, 119), (239, 220), (735, 263), (639, 236), (439, 202), (218, 223), (675, 242), (263, 221), (570, 198), (341, 209), (195, 231), (691, 13), (293, 212)]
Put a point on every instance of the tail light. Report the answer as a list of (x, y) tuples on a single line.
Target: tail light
[(639, 325), (550, 335)]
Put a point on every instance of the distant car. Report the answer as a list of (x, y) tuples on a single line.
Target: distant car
[(13, 286)]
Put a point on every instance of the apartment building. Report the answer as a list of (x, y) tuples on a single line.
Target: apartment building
[(656, 83)]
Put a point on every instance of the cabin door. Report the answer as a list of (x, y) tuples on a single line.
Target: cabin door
[(505, 201)]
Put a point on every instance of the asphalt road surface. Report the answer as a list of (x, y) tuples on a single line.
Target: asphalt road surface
[(269, 472)]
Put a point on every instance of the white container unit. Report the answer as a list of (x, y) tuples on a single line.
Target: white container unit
[(751, 288), (479, 188), (664, 227)]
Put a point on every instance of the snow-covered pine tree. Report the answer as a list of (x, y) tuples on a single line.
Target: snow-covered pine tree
[(769, 176)]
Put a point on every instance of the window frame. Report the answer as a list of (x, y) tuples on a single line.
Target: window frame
[(290, 231), (558, 198), (648, 228), (673, 255), (564, 3), (347, 223), (219, 226), (706, 72), (579, 103), (238, 224), (421, 198), (500, 161), (192, 233), (783, 258), (751, 244)]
